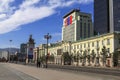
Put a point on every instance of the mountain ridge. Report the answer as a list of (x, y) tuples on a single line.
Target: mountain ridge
[(11, 50)]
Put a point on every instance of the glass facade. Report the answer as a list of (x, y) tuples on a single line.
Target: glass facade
[(116, 14), (102, 16), (101, 19)]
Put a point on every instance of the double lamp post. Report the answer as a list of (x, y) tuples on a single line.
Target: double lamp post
[(47, 37)]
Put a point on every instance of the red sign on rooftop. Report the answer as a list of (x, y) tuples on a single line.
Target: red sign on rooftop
[(68, 20)]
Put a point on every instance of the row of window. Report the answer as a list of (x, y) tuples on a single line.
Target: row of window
[(93, 44), (86, 45)]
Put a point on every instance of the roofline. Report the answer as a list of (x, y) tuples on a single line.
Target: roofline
[(74, 10), (96, 36)]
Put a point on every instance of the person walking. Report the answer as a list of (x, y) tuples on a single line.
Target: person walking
[(38, 62)]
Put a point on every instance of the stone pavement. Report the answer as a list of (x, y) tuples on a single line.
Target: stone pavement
[(8, 73), (48, 74)]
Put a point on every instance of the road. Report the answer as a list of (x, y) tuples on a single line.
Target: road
[(10, 71)]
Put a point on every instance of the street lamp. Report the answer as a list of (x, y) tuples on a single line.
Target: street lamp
[(47, 37), (9, 49)]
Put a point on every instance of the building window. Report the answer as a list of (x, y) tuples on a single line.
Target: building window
[(74, 47), (92, 44), (97, 43), (81, 30), (81, 20), (108, 41), (85, 30), (81, 46), (84, 45), (81, 16), (77, 46), (88, 29), (65, 47), (103, 42), (88, 44), (108, 50)]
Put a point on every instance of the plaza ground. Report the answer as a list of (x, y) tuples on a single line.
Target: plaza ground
[(34, 73)]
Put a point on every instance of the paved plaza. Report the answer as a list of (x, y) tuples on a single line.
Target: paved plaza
[(10, 71)]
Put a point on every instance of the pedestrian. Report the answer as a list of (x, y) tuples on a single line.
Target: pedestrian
[(38, 62)]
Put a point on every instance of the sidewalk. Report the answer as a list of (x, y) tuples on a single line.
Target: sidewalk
[(48, 74)]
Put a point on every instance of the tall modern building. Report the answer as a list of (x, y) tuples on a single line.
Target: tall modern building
[(76, 25), (106, 16), (23, 48)]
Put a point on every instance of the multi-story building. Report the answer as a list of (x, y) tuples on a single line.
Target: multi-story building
[(23, 48), (76, 25), (35, 54), (94, 51), (39, 52), (26, 50), (30, 47), (23, 52), (106, 16), (4, 54)]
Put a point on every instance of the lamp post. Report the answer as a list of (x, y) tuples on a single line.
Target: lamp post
[(9, 50), (26, 55), (47, 37)]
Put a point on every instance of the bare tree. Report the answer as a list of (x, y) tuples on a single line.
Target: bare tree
[(84, 57), (104, 55), (93, 56)]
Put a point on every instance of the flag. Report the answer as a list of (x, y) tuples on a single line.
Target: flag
[(70, 19)]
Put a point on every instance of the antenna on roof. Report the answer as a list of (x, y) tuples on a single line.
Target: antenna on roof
[(78, 8)]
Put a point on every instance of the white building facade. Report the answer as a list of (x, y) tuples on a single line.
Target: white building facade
[(94, 51), (4, 54)]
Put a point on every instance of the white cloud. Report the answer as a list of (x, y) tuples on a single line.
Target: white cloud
[(28, 12), (28, 3), (22, 17), (2, 16), (5, 5), (66, 3)]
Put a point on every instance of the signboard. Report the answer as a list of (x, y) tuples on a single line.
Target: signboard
[(30, 52), (68, 20)]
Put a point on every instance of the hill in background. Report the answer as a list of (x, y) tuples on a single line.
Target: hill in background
[(11, 50)]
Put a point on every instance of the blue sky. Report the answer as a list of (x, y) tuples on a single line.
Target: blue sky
[(20, 18)]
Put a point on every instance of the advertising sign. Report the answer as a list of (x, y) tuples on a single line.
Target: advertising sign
[(30, 52)]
